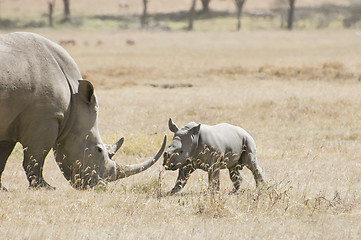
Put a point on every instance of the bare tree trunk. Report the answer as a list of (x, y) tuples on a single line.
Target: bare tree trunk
[(191, 15), (143, 18), (66, 11), (51, 4), (239, 5), (205, 5), (291, 11)]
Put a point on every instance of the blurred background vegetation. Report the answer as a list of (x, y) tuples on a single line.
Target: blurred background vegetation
[(175, 15)]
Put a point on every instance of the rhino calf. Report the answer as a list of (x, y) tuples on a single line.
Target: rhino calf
[(211, 148)]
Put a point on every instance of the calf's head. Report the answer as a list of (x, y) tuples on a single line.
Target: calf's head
[(182, 146)]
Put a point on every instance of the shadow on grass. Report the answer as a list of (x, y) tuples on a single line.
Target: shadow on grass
[(15, 23)]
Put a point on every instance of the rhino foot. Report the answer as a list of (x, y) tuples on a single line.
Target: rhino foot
[(41, 185)]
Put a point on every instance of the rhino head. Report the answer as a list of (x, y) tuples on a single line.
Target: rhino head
[(80, 152), (183, 145)]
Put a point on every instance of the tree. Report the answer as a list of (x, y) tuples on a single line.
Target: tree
[(51, 5), (66, 17), (205, 5), (191, 15), (239, 5), (143, 18), (291, 11)]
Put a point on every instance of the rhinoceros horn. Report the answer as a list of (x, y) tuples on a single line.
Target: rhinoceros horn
[(123, 171), (113, 148)]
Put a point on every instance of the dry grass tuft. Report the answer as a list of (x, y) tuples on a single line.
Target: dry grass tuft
[(150, 187), (229, 71), (140, 144), (329, 70)]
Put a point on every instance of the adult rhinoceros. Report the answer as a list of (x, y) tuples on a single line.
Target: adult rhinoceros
[(44, 105), (211, 148)]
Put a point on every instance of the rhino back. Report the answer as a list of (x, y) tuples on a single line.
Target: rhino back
[(225, 138), (32, 80)]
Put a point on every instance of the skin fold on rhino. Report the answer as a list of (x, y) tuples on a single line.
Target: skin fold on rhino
[(211, 148), (44, 105)]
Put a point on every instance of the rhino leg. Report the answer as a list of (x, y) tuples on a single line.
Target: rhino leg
[(33, 165), (235, 175), (5, 150), (252, 164), (36, 148), (183, 176)]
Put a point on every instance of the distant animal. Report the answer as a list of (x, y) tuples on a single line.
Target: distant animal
[(130, 42), (123, 5), (99, 42), (67, 42), (45, 104), (211, 148)]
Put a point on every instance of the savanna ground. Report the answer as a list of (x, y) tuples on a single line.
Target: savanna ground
[(297, 93)]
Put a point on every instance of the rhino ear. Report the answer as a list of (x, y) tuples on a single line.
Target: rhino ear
[(172, 126), (194, 130), (86, 91)]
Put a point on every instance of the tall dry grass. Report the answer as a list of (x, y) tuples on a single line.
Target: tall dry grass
[(298, 94)]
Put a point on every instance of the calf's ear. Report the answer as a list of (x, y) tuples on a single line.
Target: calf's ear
[(172, 126), (194, 130)]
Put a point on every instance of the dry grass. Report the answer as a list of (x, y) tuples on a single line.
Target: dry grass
[(297, 93)]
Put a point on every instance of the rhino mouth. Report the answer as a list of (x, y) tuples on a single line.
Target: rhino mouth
[(168, 162), (172, 167)]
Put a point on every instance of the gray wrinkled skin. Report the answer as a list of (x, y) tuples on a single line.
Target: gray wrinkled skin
[(211, 148), (45, 105)]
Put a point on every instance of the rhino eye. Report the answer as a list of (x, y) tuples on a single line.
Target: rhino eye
[(181, 151), (100, 149)]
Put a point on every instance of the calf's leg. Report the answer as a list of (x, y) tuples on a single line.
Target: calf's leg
[(252, 164), (183, 176), (235, 175)]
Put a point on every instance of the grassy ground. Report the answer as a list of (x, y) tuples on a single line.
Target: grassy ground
[(297, 93)]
